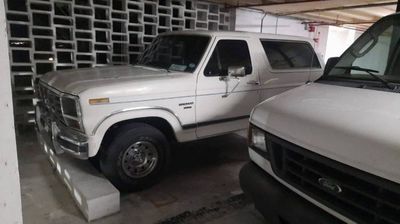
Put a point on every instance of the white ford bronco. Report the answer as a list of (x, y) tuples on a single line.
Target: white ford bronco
[(186, 86), (329, 151)]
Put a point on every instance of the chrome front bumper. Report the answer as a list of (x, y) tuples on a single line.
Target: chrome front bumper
[(60, 138)]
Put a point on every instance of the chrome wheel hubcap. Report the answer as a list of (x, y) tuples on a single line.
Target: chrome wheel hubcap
[(139, 159)]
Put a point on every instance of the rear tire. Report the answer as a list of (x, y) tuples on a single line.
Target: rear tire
[(136, 158)]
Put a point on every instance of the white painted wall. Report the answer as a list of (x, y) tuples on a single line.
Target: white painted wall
[(10, 194), (330, 41), (250, 20), (339, 39), (321, 35)]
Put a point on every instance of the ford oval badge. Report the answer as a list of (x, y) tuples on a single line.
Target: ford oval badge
[(329, 185)]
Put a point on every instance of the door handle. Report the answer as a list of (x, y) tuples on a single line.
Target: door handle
[(253, 82)]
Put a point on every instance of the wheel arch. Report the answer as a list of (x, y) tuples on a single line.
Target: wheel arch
[(159, 123), (165, 121)]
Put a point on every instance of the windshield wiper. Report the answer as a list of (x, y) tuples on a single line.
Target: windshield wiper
[(153, 66), (369, 72)]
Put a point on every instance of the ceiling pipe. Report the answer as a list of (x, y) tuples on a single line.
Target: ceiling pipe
[(353, 28), (346, 26), (342, 8), (316, 23), (343, 25), (262, 22), (276, 25), (273, 3)]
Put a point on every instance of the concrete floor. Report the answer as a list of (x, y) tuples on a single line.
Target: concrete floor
[(202, 187)]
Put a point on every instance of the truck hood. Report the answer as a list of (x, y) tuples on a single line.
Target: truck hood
[(357, 127), (76, 81)]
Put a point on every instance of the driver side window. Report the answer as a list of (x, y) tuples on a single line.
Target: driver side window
[(228, 53)]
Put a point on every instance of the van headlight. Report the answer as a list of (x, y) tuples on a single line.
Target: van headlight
[(71, 111), (257, 139)]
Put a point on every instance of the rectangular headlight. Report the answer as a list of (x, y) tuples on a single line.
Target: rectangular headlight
[(71, 111), (69, 106), (257, 139)]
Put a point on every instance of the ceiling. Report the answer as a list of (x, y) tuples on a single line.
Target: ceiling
[(357, 14)]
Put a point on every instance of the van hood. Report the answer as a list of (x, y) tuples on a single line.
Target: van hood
[(75, 81), (357, 127)]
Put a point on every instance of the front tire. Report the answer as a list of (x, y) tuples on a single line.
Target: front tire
[(136, 158)]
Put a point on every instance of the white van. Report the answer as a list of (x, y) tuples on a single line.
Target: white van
[(329, 151), (187, 85)]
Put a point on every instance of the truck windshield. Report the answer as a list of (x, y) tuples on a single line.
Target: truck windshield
[(377, 50), (175, 52)]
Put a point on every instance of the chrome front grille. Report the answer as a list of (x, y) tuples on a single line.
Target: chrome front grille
[(51, 100)]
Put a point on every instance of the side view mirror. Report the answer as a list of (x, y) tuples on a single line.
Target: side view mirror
[(236, 71), (330, 64)]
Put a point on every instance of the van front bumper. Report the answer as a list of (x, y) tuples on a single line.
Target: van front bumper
[(60, 138), (276, 202)]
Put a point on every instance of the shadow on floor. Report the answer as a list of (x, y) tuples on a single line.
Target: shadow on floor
[(202, 173), (209, 152)]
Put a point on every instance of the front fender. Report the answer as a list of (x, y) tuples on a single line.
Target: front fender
[(98, 132)]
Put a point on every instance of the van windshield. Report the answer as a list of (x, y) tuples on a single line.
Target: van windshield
[(377, 51), (175, 52)]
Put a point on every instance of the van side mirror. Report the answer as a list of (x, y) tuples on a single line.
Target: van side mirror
[(236, 71), (330, 64)]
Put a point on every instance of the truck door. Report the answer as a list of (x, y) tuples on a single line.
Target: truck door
[(288, 64), (224, 103)]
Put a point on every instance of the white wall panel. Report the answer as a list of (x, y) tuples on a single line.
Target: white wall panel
[(250, 21), (10, 195)]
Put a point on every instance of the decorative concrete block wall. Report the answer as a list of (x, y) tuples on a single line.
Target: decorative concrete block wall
[(47, 35)]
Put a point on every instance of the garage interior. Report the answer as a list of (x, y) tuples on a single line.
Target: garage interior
[(202, 185)]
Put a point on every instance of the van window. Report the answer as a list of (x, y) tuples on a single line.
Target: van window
[(228, 53), (376, 57), (377, 50), (290, 55)]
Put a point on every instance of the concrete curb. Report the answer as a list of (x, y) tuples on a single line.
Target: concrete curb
[(94, 195)]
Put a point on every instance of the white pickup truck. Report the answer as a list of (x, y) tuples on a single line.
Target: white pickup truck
[(187, 85), (329, 151)]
